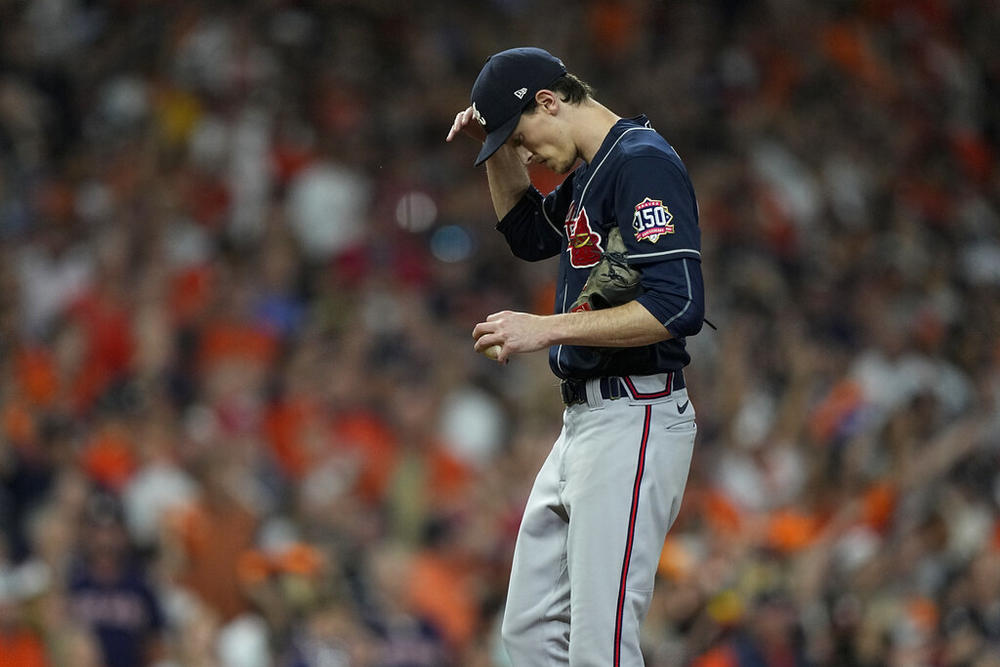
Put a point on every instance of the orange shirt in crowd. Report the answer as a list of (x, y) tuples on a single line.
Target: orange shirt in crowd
[(214, 539), (21, 648), (440, 591)]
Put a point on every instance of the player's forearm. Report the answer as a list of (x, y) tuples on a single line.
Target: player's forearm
[(508, 179), (628, 325)]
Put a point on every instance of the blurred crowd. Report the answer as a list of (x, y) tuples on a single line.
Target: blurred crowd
[(241, 420)]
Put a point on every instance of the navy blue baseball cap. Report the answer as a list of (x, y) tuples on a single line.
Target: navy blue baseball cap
[(505, 86)]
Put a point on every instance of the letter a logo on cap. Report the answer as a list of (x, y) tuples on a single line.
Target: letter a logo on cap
[(521, 93)]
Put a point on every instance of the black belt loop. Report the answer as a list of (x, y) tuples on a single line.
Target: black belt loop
[(614, 388)]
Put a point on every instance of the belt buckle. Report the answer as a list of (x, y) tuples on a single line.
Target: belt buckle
[(573, 392), (566, 392)]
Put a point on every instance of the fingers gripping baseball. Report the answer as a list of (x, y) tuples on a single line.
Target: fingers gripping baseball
[(490, 340), (510, 331)]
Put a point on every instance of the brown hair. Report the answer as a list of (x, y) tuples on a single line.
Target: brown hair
[(569, 87)]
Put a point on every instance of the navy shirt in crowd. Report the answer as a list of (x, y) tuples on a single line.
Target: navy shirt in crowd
[(124, 614)]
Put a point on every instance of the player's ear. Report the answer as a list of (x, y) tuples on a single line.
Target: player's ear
[(547, 100)]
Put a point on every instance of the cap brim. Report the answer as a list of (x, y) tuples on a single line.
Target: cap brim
[(496, 139)]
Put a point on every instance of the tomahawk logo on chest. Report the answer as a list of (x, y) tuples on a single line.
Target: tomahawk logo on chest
[(584, 244)]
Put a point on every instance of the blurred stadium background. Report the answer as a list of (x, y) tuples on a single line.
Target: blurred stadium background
[(241, 421)]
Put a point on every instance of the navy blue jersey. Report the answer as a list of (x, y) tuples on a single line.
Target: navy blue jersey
[(637, 182)]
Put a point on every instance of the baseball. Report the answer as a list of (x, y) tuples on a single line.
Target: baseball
[(493, 352)]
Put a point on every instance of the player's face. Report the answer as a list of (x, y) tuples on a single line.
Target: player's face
[(541, 138)]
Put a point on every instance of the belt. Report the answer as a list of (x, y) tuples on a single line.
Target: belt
[(575, 391)]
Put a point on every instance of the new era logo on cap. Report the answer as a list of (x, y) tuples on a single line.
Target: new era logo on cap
[(524, 71)]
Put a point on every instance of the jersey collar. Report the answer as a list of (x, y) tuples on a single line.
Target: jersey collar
[(612, 137), (587, 170)]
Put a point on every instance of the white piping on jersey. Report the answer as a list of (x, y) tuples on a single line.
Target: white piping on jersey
[(548, 220), (559, 351), (583, 194), (665, 252), (606, 156), (687, 277)]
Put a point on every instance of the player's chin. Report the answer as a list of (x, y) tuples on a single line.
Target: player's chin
[(560, 167)]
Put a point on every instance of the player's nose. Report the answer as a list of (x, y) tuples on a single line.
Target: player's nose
[(525, 155)]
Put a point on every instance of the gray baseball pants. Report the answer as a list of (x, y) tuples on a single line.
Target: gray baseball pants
[(593, 529)]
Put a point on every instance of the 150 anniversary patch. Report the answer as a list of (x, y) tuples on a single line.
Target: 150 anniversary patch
[(651, 220)]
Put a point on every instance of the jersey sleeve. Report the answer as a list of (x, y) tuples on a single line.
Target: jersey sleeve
[(656, 211), (658, 218), (675, 295), (533, 228)]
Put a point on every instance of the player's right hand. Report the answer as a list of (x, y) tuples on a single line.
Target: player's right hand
[(467, 122)]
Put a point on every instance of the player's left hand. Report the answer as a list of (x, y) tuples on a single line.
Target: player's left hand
[(514, 332)]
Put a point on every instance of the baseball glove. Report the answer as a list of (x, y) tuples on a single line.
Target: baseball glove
[(612, 281)]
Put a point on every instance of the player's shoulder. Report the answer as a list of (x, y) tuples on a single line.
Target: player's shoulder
[(640, 140)]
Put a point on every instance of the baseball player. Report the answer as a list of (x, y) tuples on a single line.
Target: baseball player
[(595, 521)]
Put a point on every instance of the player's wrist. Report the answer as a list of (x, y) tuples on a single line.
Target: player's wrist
[(564, 328)]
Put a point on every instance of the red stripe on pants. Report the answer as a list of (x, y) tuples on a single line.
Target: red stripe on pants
[(620, 613)]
